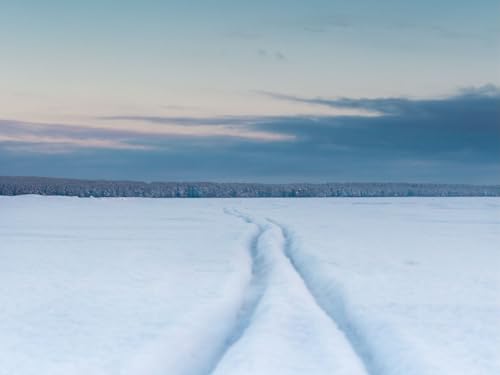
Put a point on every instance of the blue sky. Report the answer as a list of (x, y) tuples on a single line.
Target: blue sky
[(251, 91)]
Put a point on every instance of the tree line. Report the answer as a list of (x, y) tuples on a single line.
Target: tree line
[(102, 188)]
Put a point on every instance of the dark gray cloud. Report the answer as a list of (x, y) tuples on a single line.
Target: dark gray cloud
[(461, 128), (472, 95), (454, 139)]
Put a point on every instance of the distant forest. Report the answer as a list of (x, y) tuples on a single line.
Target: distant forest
[(97, 188)]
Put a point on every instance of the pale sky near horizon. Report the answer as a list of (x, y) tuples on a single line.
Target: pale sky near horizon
[(210, 89)]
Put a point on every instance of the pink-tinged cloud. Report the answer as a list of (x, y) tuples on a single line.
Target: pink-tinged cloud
[(123, 135)]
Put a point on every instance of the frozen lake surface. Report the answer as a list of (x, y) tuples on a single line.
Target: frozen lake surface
[(249, 286)]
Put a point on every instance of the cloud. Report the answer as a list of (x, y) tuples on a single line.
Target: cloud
[(57, 138), (63, 144), (386, 105), (463, 128), (191, 121), (274, 55), (488, 90), (348, 22), (399, 105), (453, 139), (326, 23), (206, 127)]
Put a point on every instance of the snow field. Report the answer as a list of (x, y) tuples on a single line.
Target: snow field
[(286, 319), (249, 286), (116, 286), (413, 283)]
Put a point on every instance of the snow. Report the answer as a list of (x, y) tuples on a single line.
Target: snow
[(249, 286)]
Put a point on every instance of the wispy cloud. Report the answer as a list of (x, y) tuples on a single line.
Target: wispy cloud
[(348, 22), (395, 105), (60, 138), (241, 127), (326, 23), (219, 121), (269, 54), (43, 137)]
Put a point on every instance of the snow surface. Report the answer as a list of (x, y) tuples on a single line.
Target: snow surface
[(249, 286)]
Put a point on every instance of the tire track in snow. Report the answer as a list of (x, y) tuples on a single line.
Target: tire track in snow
[(337, 314), (253, 293), (260, 282), (201, 347)]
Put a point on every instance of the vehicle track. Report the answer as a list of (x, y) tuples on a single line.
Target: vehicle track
[(336, 313), (260, 282), (253, 294)]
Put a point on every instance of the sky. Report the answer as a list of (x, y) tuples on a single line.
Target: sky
[(264, 91)]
